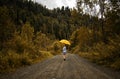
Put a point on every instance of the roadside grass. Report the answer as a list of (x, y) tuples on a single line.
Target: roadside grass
[(44, 55), (98, 59), (11, 61)]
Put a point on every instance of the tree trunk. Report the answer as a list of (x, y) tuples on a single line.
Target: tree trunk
[(101, 3)]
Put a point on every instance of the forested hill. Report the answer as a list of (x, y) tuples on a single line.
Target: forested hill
[(58, 23), (53, 22)]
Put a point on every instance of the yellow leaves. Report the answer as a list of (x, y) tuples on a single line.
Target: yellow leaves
[(41, 41), (116, 64), (43, 55), (82, 37), (55, 48), (27, 32), (83, 34), (46, 54)]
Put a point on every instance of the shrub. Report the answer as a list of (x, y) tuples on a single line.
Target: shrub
[(13, 60), (56, 48), (116, 64)]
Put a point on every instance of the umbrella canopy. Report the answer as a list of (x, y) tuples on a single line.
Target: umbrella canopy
[(65, 42)]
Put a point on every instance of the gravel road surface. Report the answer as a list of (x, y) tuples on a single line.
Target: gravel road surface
[(74, 67)]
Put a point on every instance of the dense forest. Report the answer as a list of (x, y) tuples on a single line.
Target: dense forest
[(30, 32)]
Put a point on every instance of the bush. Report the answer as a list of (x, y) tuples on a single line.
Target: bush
[(56, 48), (41, 55), (13, 60), (9, 61), (82, 38), (116, 64)]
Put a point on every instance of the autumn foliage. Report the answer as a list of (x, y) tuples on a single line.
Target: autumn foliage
[(29, 32)]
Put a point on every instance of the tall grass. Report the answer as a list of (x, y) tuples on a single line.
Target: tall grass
[(11, 61)]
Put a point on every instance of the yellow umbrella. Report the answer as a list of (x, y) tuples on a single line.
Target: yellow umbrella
[(64, 41)]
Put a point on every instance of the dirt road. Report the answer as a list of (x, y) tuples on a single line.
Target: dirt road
[(55, 68)]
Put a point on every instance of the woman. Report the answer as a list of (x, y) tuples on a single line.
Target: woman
[(64, 52)]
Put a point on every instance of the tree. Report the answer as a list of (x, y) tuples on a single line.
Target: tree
[(7, 27), (41, 41), (27, 32)]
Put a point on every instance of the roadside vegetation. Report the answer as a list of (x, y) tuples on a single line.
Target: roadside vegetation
[(100, 52)]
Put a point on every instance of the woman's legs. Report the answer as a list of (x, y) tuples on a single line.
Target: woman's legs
[(64, 56)]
